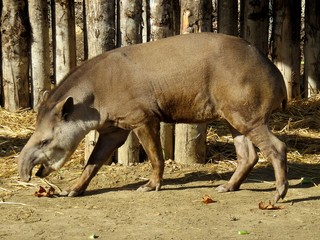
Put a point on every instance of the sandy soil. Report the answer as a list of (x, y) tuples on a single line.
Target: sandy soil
[(112, 209)]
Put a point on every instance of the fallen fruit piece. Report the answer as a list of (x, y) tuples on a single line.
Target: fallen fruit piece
[(93, 236), (207, 199), (243, 232), (269, 206), (43, 193)]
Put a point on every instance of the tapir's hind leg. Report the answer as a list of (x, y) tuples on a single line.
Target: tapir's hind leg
[(247, 158), (106, 144), (271, 147), (276, 152), (149, 137)]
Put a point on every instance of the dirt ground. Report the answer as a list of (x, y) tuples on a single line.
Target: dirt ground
[(112, 209)]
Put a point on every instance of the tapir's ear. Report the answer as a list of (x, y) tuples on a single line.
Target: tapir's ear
[(45, 96), (65, 108), (42, 98)]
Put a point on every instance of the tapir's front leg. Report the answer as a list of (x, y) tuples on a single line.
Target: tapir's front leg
[(149, 137), (106, 144)]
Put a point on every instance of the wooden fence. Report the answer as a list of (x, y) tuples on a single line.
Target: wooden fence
[(42, 41)]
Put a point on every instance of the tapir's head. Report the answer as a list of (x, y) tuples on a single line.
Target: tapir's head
[(58, 132)]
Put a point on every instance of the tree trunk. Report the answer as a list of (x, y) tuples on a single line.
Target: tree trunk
[(1, 82), (167, 140), (15, 47), (196, 16), (160, 19), (256, 23), (161, 15), (100, 19), (286, 37), (65, 38), (176, 16), (40, 64), (130, 22), (228, 17), (131, 33), (190, 142), (146, 21), (312, 47), (241, 17)]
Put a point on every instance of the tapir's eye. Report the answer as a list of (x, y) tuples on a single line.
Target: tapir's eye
[(43, 143)]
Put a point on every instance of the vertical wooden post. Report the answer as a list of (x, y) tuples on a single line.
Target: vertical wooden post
[(190, 142), (256, 23), (1, 75), (40, 63), (130, 22), (131, 33), (65, 38), (176, 16), (146, 21), (100, 22), (286, 37), (228, 17), (160, 19), (15, 54), (161, 15), (312, 48)]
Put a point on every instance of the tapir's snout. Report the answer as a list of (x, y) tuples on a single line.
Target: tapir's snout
[(24, 168), (28, 159), (26, 165)]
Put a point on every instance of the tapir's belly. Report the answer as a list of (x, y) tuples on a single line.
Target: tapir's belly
[(189, 110)]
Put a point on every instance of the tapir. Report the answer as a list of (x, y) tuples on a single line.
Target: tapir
[(192, 78)]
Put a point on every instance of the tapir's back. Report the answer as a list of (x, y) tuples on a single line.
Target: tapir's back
[(191, 77)]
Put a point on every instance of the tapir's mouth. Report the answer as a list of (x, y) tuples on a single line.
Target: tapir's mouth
[(44, 171), (40, 171)]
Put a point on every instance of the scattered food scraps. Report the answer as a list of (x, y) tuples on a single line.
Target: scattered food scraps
[(269, 206), (43, 193), (207, 199)]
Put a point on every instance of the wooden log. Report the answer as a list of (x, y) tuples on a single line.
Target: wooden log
[(190, 146), (130, 33), (15, 54), (65, 38), (312, 48), (40, 63), (100, 29)]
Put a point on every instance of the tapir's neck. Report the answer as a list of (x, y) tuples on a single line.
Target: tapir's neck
[(86, 113), (86, 116)]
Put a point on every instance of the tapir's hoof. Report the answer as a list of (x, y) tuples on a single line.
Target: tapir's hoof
[(226, 188), (70, 193), (281, 192), (149, 187)]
